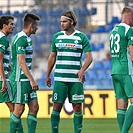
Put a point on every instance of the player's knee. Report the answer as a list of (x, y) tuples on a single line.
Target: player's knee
[(77, 107), (19, 111), (34, 109), (57, 106)]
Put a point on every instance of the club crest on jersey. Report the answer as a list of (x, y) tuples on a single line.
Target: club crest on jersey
[(76, 41)]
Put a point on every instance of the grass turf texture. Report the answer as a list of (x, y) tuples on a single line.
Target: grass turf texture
[(66, 126)]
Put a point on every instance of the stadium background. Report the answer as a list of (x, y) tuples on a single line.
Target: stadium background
[(95, 18)]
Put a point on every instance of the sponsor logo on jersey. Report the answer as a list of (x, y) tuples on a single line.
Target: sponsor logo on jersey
[(21, 48), (33, 95), (70, 45), (114, 56), (78, 97)]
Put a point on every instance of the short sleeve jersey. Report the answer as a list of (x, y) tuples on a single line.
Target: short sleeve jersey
[(120, 39), (21, 44), (69, 49), (5, 49)]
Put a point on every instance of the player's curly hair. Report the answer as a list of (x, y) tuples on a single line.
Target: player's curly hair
[(70, 14)]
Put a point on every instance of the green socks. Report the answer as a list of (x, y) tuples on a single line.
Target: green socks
[(120, 117), (78, 118), (20, 127), (55, 118), (31, 122), (128, 119), (14, 122), (16, 126)]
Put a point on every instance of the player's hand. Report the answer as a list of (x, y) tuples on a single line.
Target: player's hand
[(4, 87), (81, 76), (34, 85), (48, 81)]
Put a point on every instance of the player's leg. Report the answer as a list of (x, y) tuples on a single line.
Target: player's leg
[(78, 117), (58, 98), (18, 96), (128, 118), (122, 107), (76, 96), (10, 105), (129, 113), (31, 117), (15, 118), (55, 117), (122, 100), (33, 108)]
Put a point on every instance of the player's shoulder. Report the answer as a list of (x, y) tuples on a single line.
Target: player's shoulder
[(20, 36), (79, 33), (2, 36), (60, 33)]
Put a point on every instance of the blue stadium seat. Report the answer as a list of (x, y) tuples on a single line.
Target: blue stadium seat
[(98, 65), (88, 82), (115, 20), (108, 27), (97, 82), (84, 11), (107, 82), (102, 74), (99, 46), (92, 74), (93, 47), (1, 13), (16, 14), (107, 64), (88, 36), (83, 56), (7, 12), (100, 29), (93, 11)]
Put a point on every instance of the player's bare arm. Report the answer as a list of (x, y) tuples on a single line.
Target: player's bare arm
[(24, 67), (51, 62), (86, 64), (4, 86)]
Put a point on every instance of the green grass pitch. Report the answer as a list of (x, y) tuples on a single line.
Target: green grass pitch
[(66, 126)]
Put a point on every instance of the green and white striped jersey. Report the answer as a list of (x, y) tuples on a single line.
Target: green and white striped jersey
[(120, 39), (69, 49), (5, 49), (21, 44)]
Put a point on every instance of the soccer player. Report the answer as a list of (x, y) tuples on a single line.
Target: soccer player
[(121, 49), (22, 82), (6, 28), (67, 48)]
